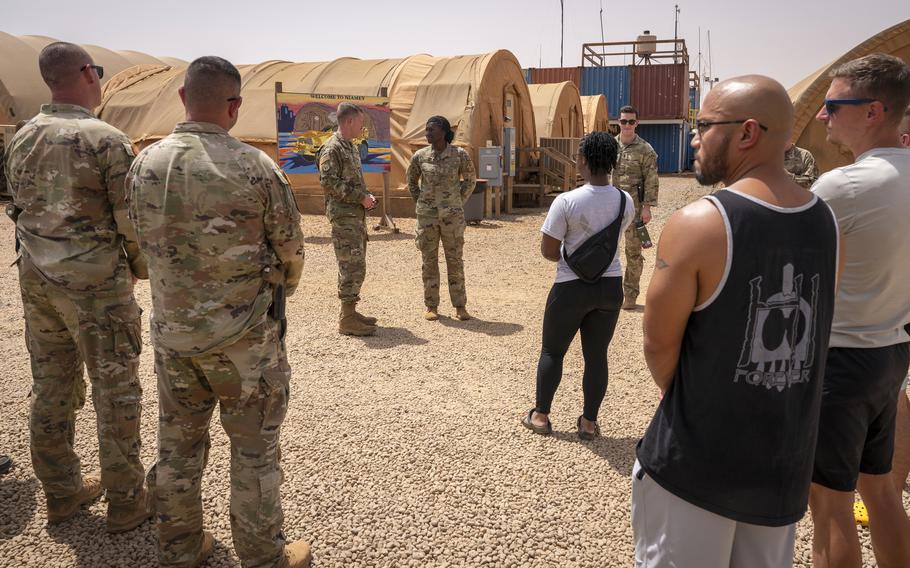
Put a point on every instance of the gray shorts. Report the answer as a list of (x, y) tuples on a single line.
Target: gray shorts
[(671, 532)]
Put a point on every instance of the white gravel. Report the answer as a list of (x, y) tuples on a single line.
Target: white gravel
[(403, 449)]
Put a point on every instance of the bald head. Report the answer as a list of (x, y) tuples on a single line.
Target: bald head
[(754, 97), (61, 64)]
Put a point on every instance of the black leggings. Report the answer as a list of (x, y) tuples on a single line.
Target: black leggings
[(592, 308)]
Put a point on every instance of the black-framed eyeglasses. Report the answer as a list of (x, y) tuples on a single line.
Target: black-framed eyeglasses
[(629, 121), (98, 69), (701, 126), (832, 104)]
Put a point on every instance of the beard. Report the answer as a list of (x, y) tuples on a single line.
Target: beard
[(712, 168)]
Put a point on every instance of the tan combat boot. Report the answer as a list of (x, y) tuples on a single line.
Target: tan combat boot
[(350, 324), (629, 303), (122, 518), (461, 314), (365, 319), (59, 510), (298, 554), (208, 547), (432, 314)]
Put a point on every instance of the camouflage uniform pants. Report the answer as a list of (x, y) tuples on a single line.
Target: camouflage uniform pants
[(635, 262), (63, 329), (349, 237), (450, 230), (250, 380)]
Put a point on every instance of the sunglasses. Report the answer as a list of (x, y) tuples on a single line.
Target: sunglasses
[(832, 104), (629, 121), (98, 69), (702, 126)]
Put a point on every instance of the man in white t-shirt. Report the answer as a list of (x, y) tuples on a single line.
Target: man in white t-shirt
[(870, 346)]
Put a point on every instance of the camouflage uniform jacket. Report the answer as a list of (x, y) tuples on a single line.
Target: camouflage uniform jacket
[(211, 214), (636, 171), (446, 180), (66, 173), (341, 176), (800, 164), (4, 189)]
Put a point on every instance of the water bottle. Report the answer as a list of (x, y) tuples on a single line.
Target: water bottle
[(643, 235)]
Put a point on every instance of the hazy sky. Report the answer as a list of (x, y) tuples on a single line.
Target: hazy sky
[(784, 39)]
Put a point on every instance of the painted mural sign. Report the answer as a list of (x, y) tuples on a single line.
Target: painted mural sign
[(307, 121)]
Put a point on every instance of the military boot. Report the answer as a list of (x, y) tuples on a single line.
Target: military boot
[(461, 314), (432, 314), (122, 518), (298, 554), (350, 324), (61, 509), (365, 319), (629, 303)]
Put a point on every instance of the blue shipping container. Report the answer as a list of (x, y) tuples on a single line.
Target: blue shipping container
[(527, 75), (690, 153), (694, 99), (668, 141), (612, 82)]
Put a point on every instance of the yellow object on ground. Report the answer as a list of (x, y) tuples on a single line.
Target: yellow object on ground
[(860, 513)]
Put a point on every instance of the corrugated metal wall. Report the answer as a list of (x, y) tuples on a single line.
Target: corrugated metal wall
[(668, 141), (612, 82), (690, 152), (694, 99), (660, 91), (555, 75)]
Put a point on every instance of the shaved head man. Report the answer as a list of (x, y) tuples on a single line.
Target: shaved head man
[(79, 261), (218, 223), (736, 327)]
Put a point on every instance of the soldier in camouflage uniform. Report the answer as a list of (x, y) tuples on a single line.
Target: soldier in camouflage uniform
[(441, 178), (78, 261), (635, 173), (220, 229), (346, 203), (800, 164)]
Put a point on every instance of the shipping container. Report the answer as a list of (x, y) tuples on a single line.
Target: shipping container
[(668, 140), (527, 73), (555, 75), (611, 82), (690, 152), (660, 92), (694, 99)]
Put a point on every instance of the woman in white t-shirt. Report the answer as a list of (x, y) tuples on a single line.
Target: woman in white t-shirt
[(573, 304)]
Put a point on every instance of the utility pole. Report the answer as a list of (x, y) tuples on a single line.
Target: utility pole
[(602, 40), (562, 28), (675, 31)]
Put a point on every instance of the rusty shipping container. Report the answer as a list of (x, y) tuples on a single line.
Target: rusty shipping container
[(660, 92), (555, 75)]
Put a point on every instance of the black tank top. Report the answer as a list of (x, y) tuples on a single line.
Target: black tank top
[(735, 432)]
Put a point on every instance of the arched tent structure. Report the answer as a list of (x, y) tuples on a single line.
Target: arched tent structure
[(557, 110), (22, 91), (594, 108), (475, 92), (808, 95)]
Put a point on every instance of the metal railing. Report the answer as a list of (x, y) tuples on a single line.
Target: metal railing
[(675, 52)]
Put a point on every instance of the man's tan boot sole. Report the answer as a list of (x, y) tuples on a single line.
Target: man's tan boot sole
[(144, 510)]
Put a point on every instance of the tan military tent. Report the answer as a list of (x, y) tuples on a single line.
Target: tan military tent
[(594, 108), (809, 94), (557, 110), (475, 92), (22, 92)]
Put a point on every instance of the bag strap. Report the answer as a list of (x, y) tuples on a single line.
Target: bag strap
[(601, 233)]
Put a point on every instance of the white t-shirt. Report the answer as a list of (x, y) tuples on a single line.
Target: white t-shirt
[(581, 213), (871, 200)]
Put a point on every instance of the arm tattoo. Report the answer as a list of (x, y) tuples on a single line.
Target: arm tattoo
[(661, 264)]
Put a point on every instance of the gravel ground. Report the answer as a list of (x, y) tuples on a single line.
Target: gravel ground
[(403, 449)]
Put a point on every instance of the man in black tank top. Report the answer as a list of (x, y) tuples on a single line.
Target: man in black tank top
[(736, 330)]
